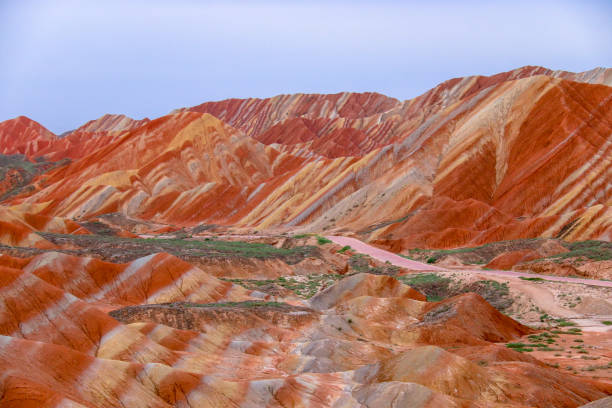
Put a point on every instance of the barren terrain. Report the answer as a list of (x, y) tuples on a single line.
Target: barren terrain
[(346, 250)]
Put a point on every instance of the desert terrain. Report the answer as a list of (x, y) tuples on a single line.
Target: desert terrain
[(307, 250)]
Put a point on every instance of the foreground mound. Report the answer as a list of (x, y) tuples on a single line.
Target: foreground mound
[(363, 284)]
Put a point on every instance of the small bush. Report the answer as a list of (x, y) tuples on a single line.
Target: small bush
[(515, 345), (322, 240), (567, 332), (593, 250), (344, 249), (244, 304), (435, 287), (531, 279)]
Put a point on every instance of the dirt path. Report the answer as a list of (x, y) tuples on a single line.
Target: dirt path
[(397, 260), (382, 255), (513, 274), (544, 299)]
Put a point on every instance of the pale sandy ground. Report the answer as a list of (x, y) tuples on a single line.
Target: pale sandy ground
[(552, 296), (584, 302), (591, 304)]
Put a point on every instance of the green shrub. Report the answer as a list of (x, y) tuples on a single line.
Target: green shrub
[(245, 304), (593, 250), (322, 240), (434, 286), (531, 279), (344, 249), (515, 345)]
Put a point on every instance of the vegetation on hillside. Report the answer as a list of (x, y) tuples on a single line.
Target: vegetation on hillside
[(131, 248)]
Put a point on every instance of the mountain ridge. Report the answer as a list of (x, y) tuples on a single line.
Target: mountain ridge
[(215, 256), (363, 163)]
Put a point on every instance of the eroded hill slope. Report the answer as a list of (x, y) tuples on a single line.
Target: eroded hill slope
[(368, 340), (478, 159)]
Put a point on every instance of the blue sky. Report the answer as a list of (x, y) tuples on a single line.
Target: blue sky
[(65, 62)]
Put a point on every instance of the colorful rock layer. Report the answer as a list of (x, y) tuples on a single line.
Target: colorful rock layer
[(525, 153)]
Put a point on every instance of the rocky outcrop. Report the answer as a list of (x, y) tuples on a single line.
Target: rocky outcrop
[(24, 136)]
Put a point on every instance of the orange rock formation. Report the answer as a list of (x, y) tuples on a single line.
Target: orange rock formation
[(366, 341), (526, 153), (474, 160)]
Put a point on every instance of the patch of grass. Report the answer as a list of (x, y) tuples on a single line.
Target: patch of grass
[(583, 251), (361, 263), (240, 248), (595, 367), (344, 249), (607, 322), (304, 289), (520, 347), (301, 236), (573, 331), (531, 279), (186, 248), (422, 279), (434, 286), (543, 337), (586, 250), (497, 294), (322, 240), (481, 254), (437, 288), (246, 304), (22, 172), (564, 323)]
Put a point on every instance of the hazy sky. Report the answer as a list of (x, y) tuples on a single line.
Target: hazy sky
[(65, 62)]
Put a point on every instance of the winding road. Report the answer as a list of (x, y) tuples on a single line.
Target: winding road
[(386, 256)]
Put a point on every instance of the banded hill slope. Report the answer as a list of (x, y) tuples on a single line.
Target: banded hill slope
[(525, 153), (92, 315), (179, 337)]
